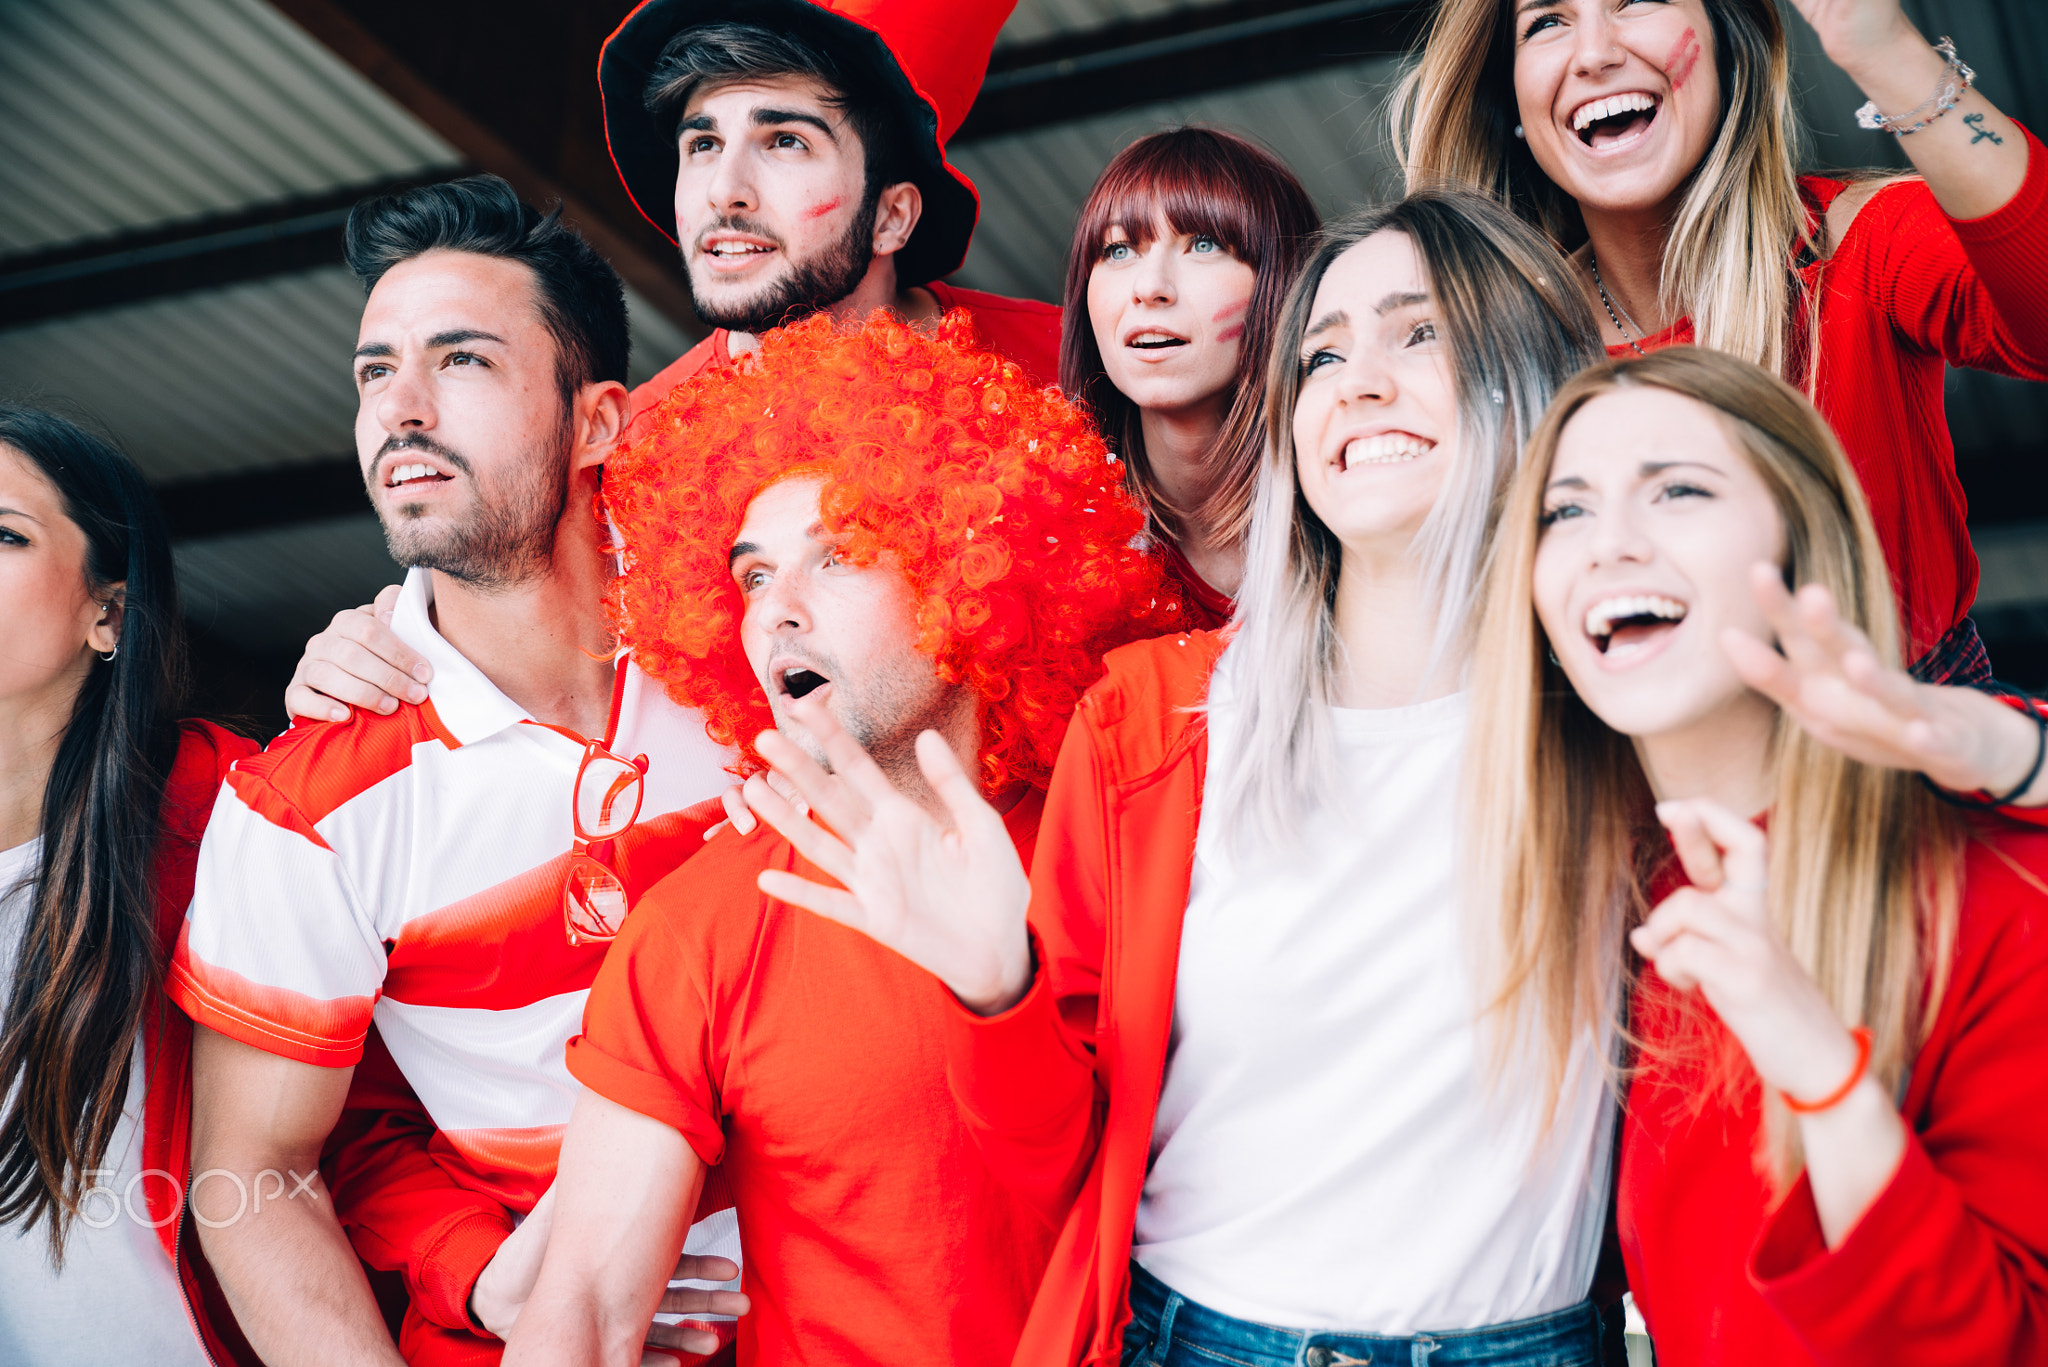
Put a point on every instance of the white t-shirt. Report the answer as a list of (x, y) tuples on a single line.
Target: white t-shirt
[(117, 1299), (1328, 1153)]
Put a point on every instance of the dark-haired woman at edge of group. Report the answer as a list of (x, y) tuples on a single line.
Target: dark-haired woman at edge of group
[(1654, 140), (1181, 260), (103, 796)]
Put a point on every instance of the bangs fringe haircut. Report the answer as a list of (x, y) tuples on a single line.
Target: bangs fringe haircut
[(1865, 862), (1515, 330), (1740, 226), (1192, 180), (998, 500)]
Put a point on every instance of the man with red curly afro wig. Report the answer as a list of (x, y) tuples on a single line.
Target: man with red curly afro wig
[(892, 534)]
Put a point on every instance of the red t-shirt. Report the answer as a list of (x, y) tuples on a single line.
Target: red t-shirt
[(1908, 291), (809, 1062), (1024, 330), (1209, 608), (1950, 1263)]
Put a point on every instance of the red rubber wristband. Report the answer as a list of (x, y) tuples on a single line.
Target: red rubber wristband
[(1834, 1098)]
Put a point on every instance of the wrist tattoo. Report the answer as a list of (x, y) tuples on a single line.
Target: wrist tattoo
[(1976, 124)]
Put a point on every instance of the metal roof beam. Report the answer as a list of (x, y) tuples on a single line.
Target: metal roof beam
[(512, 84), (205, 253), (257, 500), (1186, 52)]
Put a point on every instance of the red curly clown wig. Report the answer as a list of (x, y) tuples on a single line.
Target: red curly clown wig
[(999, 501)]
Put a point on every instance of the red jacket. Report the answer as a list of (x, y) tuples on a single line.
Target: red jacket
[(1062, 1089), (1024, 330), (1907, 292), (1950, 1263), (205, 754)]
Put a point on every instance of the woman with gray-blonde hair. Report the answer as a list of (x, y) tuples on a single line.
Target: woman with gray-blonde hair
[(1653, 139), (1232, 1050)]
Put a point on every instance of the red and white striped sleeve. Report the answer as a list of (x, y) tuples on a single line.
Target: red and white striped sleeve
[(277, 951)]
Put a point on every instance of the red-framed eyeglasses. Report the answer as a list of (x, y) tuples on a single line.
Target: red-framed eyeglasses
[(604, 806)]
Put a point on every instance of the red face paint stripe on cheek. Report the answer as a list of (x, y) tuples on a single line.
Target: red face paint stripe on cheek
[(1226, 314), (1685, 54), (821, 210)]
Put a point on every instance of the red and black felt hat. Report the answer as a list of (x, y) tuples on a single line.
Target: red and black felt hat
[(927, 57)]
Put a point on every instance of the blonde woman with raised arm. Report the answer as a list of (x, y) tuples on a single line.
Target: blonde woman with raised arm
[(1654, 141)]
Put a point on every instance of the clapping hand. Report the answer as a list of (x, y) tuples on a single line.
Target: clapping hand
[(1826, 675), (1716, 937), (947, 891)]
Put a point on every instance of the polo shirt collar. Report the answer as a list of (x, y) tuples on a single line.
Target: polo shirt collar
[(468, 703)]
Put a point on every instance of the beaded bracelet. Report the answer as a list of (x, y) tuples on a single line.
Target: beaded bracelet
[(1953, 84), (1834, 1098)]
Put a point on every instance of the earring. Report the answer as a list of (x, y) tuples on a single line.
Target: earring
[(111, 654), (1520, 134)]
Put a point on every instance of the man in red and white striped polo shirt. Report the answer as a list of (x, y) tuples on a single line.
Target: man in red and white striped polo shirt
[(409, 870)]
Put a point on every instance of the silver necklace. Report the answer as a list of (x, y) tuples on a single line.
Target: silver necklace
[(1593, 264)]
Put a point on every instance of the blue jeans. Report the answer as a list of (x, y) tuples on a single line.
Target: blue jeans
[(1169, 1330)]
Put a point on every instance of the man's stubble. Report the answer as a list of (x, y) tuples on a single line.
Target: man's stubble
[(507, 537), (805, 287)]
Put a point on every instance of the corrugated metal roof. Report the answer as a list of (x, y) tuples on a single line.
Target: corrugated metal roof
[(1328, 125), (234, 589), (118, 114), (246, 377)]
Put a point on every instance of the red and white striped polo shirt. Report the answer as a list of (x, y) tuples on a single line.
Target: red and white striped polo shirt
[(408, 870)]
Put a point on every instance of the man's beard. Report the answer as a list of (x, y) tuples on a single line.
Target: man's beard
[(508, 535), (806, 287)]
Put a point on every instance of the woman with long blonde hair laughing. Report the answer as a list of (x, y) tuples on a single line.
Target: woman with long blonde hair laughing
[(1654, 141), (1834, 1149)]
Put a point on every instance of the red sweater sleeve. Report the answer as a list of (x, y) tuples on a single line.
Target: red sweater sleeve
[(1972, 291), (1025, 1079), (402, 1210), (1947, 1266)]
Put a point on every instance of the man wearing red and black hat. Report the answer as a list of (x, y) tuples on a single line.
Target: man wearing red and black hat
[(815, 179), (796, 153)]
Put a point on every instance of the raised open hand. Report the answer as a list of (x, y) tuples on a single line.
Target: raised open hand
[(946, 891), (1826, 674)]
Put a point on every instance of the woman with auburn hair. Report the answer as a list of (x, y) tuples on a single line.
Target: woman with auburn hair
[(103, 796), (1834, 1150), (1181, 260), (1231, 1053), (1653, 139)]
